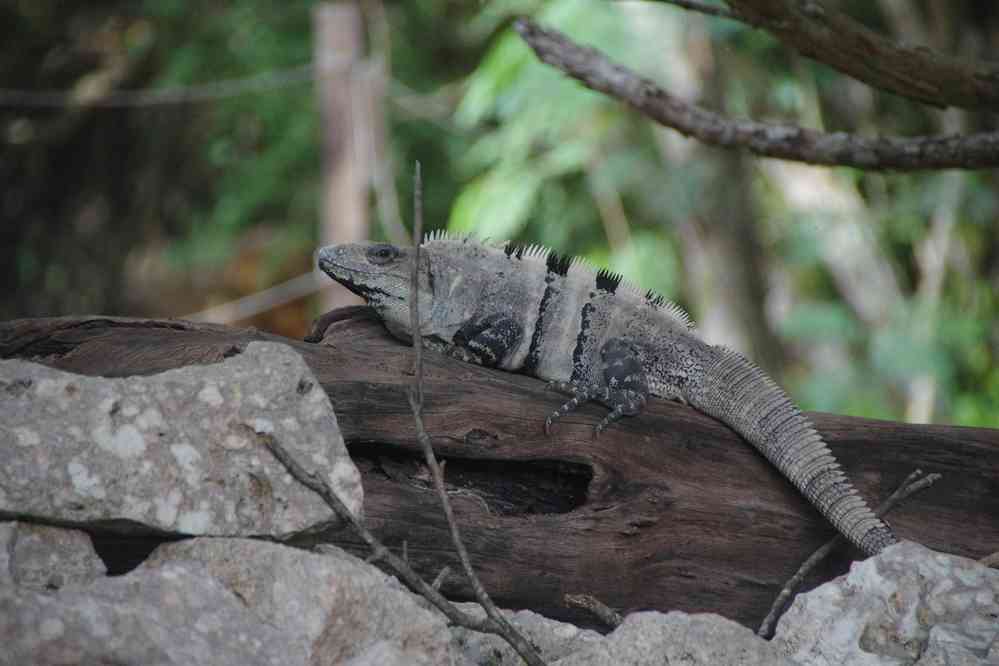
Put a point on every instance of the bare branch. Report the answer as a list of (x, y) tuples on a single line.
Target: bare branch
[(703, 8), (914, 71), (594, 70), (505, 629), (912, 484), (494, 622), (95, 91), (321, 487), (441, 577)]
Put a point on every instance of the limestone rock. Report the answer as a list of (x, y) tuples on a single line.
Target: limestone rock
[(553, 639), (173, 615), (46, 557), (384, 653), (178, 452), (908, 605), (703, 639), (333, 603)]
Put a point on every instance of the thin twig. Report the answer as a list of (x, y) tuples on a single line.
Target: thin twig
[(83, 96), (703, 8), (908, 487), (507, 630), (321, 487), (414, 281), (602, 611), (789, 142), (262, 301), (441, 577)]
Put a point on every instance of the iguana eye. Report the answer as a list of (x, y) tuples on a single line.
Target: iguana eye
[(382, 253)]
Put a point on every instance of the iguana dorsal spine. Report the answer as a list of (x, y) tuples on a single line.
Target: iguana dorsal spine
[(527, 309)]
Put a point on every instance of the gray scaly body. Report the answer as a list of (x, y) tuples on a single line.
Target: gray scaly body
[(525, 309)]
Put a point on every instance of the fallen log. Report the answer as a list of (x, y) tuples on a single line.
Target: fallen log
[(670, 510)]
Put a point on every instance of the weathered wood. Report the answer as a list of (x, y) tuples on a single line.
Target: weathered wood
[(670, 510)]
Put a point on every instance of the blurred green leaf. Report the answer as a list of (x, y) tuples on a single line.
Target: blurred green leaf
[(817, 322), (496, 205)]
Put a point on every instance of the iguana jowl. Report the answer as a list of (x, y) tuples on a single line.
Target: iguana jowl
[(526, 309)]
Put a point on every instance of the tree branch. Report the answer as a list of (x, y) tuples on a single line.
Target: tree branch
[(399, 566), (913, 483), (703, 8), (790, 142), (502, 626), (837, 40)]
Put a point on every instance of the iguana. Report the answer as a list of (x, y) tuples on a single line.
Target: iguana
[(596, 337)]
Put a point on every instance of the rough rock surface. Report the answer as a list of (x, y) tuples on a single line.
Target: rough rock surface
[(333, 603), (178, 452), (225, 600), (384, 653), (909, 605), (175, 614), (46, 557), (553, 639), (703, 639)]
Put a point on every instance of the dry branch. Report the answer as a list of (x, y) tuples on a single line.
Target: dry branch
[(913, 483), (379, 552), (791, 142), (834, 39), (504, 629), (719, 11), (914, 71)]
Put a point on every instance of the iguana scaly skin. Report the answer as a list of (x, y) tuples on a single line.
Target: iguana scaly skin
[(526, 309)]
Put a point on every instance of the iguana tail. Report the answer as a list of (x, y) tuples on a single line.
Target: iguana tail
[(739, 394)]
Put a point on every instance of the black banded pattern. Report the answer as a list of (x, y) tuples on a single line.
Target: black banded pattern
[(607, 280), (581, 358), (534, 352), (558, 264), (736, 392)]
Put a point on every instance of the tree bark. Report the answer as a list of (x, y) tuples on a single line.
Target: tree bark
[(789, 142), (669, 510)]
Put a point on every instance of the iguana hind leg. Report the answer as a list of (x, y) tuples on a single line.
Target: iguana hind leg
[(580, 394), (623, 388)]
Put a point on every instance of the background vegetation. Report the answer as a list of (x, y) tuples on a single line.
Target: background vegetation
[(868, 293)]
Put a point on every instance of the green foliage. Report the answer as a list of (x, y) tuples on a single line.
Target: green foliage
[(262, 148), (545, 148), (522, 152)]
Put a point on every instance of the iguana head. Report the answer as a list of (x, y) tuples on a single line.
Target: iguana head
[(380, 274)]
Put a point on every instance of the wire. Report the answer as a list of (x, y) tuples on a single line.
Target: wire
[(261, 301), (154, 97)]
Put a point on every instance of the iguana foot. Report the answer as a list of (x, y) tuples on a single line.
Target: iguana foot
[(566, 388), (624, 389), (623, 402), (580, 394)]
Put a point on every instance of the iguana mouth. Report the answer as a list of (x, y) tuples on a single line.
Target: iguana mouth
[(329, 265), (365, 291), (351, 277)]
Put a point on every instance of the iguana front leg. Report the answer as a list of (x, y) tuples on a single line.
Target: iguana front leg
[(487, 340), (623, 388)]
